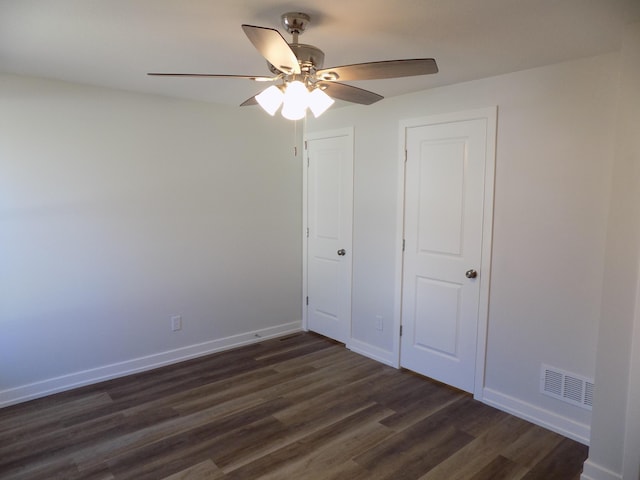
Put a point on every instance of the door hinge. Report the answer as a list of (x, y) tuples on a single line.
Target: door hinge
[(305, 144), (295, 151), (403, 244), (400, 330), (307, 300), (307, 232), (405, 155)]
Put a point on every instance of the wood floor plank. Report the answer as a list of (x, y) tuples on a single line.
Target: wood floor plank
[(40, 471), (222, 392), (500, 468), (564, 462), (205, 470), (318, 359), (207, 422), (422, 446), (478, 454), (348, 470), (322, 381), (303, 447), (532, 446), (299, 349), (297, 407), (411, 455), (332, 402), (334, 458), (45, 417), (300, 434), (415, 410)]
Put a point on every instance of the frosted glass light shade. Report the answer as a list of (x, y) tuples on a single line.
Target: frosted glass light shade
[(270, 99), (295, 101), (319, 101)]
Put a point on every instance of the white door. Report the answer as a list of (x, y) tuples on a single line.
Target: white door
[(329, 219), (444, 203)]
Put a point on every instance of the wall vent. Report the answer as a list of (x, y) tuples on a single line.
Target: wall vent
[(566, 386)]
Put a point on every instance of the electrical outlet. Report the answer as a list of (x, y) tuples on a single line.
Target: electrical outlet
[(176, 323), (379, 322)]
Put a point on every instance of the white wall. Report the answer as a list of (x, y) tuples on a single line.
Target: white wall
[(615, 438), (118, 210), (554, 143)]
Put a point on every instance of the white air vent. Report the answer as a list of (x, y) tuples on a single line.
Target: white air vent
[(567, 387)]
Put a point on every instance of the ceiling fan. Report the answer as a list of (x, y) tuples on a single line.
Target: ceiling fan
[(301, 82)]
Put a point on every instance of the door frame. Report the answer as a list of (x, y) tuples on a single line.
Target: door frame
[(490, 114), (348, 132)]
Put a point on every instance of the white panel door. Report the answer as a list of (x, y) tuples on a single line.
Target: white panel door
[(444, 196), (329, 234)]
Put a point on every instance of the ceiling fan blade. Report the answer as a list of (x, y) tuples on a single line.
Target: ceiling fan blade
[(350, 93), (249, 101), (212, 75), (273, 47), (380, 70)]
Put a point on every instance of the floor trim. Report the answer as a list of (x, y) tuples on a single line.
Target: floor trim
[(373, 352), (593, 471), (579, 432), (49, 386)]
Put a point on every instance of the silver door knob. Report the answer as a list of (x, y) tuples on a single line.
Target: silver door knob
[(471, 273), (342, 252)]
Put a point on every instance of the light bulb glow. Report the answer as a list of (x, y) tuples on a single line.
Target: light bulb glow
[(295, 101), (270, 99), (319, 102)]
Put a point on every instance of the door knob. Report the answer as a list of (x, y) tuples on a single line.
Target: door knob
[(471, 273), (342, 252)]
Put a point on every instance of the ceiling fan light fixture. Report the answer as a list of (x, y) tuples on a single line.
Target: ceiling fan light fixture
[(295, 101), (270, 99), (319, 102)]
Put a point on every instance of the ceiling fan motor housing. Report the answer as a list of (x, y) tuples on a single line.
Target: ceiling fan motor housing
[(309, 57)]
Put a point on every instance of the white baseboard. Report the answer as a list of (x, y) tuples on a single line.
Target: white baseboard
[(579, 432), (373, 352), (86, 377), (593, 471)]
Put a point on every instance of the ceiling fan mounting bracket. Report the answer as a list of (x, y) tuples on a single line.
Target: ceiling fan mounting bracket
[(295, 22)]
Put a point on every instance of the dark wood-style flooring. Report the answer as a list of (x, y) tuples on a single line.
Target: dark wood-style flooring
[(298, 407)]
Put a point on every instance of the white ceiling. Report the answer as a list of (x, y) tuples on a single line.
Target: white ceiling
[(113, 43)]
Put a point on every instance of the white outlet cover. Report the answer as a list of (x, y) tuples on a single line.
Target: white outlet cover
[(176, 323)]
